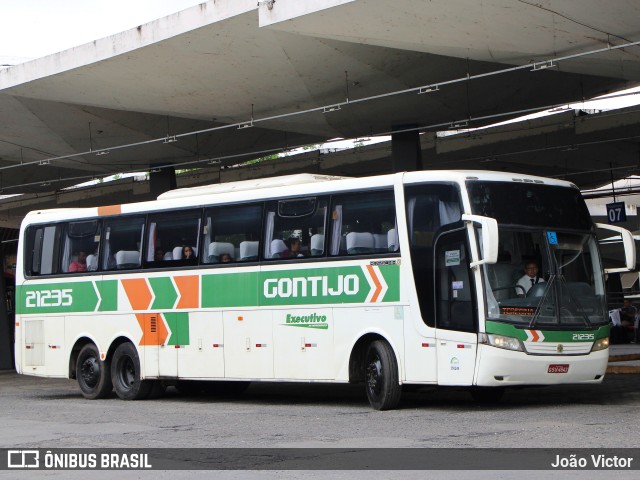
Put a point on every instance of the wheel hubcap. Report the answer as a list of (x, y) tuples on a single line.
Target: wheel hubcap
[(90, 372), (374, 375), (127, 373)]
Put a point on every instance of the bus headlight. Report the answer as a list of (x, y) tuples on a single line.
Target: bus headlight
[(600, 344), (508, 343)]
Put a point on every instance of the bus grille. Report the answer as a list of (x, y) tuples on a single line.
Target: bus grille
[(556, 348)]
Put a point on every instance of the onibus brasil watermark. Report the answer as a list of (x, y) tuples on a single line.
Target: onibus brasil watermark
[(34, 459)]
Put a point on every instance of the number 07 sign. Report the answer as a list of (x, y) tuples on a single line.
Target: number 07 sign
[(616, 212)]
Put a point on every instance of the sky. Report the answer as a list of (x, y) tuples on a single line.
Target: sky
[(35, 28)]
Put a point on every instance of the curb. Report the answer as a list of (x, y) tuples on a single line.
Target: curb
[(624, 368), (624, 358)]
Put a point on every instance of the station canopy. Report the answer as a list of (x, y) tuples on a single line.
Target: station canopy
[(230, 80)]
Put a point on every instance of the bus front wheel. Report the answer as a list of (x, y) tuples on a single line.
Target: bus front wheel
[(94, 377), (381, 376), (125, 373)]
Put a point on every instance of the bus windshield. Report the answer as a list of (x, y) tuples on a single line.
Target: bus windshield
[(530, 204), (546, 278), (548, 271)]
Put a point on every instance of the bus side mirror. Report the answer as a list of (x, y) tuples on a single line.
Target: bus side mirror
[(627, 243), (489, 229)]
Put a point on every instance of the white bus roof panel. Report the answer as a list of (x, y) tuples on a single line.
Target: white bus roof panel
[(244, 185)]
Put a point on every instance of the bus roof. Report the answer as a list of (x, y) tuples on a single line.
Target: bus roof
[(243, 185), (279, 187)]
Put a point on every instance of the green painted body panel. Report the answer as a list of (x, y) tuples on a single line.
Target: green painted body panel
[(178, 323), (308, 286), (230, 290), (109, 293), (565, 336), (59, 297), (165, 293)]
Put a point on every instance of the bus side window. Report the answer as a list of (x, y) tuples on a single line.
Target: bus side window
[(173, 239), (295, 228), (231, 234), (42, 252), (80, 247), (121, 248), (364, 223)]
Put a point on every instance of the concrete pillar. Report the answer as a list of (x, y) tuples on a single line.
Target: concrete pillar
[(162, 180), (6, 322), (406, 154)]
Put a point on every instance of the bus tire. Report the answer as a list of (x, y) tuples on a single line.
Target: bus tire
[(125, 374), (93, 375), (381, 376)]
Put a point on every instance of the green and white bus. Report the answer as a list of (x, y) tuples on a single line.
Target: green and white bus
[(402, 279)]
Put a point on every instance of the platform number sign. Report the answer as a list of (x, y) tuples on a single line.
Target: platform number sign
[(616, 212)]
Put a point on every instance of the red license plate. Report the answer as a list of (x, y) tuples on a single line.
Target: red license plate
[(558, 368)]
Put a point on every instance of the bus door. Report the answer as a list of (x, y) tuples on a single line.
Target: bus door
[(456, 311)]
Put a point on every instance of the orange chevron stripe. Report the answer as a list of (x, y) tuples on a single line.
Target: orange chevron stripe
[(377, 283), (189, 289), (138, 293), (534, 335), (154, 331), (163, 333)]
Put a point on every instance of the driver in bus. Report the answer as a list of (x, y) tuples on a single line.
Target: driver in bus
[(528, 280)]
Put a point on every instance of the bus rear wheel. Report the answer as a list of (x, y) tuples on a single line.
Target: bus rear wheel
[(126, 375), (381, 376), (94, 376)]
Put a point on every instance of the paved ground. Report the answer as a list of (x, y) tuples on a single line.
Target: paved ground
[(48, 413)]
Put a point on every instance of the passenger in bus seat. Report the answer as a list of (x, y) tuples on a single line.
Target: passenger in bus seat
[(225, 258), (188, 254), (295, 247), (279, 249), (79, 265), (158, 256)]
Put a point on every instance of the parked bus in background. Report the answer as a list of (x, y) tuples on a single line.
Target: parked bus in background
[(408, 278)]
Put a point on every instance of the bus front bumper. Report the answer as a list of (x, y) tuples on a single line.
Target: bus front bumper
[(499, 367)]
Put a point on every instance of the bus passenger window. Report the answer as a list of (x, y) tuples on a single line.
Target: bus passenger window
[(231, 234), (122, 243), (364, 224), (81, 244), (172, 240), (295, 228), (42, 250)]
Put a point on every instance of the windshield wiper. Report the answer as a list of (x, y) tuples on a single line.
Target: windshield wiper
[(573, 299), (547, 289), (558, 308)]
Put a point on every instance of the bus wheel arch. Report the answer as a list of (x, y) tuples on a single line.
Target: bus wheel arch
[(374, 362), (115, 344), (92, 373)]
